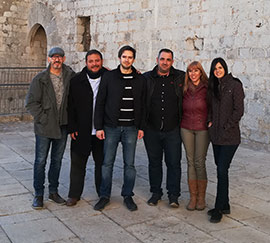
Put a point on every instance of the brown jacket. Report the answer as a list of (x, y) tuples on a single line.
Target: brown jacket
[(195, 109), (226, 112)]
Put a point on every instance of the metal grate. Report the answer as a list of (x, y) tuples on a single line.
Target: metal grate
[(14, 84)]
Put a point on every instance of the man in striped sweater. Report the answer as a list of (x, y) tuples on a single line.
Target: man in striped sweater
[(119, 117)]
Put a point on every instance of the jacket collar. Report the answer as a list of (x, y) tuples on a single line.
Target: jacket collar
[(154, 73)]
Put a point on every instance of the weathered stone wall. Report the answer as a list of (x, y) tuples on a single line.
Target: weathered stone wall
[(13, 32), (200, 30)]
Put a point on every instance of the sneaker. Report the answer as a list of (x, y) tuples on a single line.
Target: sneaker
[(55, 197), (103, 201), (173, 201), (37, 202), (153, 201), (130, 204), (216, 216), (224, 211)]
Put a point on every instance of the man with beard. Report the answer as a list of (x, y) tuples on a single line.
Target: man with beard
[(47, 102), (162, 133), (81, 104), (119, 117)]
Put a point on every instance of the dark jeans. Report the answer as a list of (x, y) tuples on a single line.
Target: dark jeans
[(128, 138), (43, 145), (169, 143), (78, 167), (223, 155)]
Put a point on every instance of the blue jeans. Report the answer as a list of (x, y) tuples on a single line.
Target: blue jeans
[(169, 143), (128, 138), (43, 145), (223, 155)]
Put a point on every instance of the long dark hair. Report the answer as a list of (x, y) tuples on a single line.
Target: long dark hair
[(213, 82)]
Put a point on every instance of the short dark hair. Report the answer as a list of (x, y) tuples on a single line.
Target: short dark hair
[(165, 50), (91, 52), (127, 48)]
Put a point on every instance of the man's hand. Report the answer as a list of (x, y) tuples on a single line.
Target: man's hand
[(74, 135), (210, 124), (140, 134), (100, 134)]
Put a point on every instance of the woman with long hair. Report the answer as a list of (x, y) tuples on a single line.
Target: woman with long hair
[(194, 133), (226, 107)]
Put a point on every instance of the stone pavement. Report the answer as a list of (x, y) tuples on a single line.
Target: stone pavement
[(248, 222)]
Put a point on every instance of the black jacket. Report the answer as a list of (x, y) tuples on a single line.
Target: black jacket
[(178, 79), (226, 112), (109, 98), (80, 110)]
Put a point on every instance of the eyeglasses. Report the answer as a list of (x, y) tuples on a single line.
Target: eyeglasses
[(56, 57)]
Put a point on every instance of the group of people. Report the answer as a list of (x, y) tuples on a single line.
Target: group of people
[(101, 108)]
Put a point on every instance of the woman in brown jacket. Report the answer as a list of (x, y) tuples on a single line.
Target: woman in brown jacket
[(226, 98), (194, 133)]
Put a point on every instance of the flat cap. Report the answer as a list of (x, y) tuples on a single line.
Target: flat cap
[(56, 51)]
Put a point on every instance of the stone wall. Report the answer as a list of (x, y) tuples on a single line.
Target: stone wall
[(238, 31)]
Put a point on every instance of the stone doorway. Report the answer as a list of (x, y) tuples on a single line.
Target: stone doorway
[(37, 46)]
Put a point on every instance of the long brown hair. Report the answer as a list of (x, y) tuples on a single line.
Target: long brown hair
[(203, 78)]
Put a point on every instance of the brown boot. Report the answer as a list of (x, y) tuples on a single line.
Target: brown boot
[(202, 184), (192, 184)]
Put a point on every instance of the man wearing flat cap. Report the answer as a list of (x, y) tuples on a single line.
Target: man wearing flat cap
[(47, 102)]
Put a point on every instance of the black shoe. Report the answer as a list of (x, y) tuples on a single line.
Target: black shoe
[(37, 202), (224, 211), (130, 204), (103, 201), (173, 201), (216, 216), (54, 197), (153, 201)]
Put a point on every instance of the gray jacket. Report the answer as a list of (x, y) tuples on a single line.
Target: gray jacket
[(41, 103)]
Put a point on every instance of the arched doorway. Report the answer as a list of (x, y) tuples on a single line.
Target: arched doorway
[(38, 46)]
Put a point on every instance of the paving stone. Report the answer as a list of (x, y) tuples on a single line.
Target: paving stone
[(168, 229), (99, 229), (22, 175), (80, 210), (261, 223), (70, 240), (244, 234), (17, 165), (12, 189), (41, 230), (25, 217), (124, 217), (15, 204), (3, 237)]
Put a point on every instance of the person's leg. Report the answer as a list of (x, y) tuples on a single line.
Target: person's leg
[(188, 138), (77, 174), (201, 147), (129, 141), (112, 138), (41, 153), (173, 152), (154, 149), (57, 152), (97, 152), (224, 159)]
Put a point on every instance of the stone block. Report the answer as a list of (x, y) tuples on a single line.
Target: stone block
[(167, 229), (42, 230), (258, 53), (242, 235), (94, 229)]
